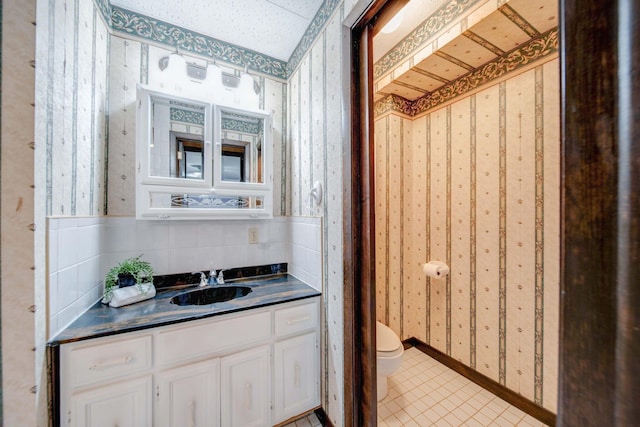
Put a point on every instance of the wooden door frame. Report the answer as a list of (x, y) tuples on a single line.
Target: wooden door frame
[(360, 397), (599, 379)]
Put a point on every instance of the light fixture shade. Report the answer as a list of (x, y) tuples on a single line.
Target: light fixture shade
[(213, 82), (393, 24), (245, 93), (174, 75)]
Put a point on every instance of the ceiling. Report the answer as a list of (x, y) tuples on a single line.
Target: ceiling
[(271, 27), (512, 25), (413, 14)]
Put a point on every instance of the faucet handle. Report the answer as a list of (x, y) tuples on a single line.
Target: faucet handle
[(203, 277)]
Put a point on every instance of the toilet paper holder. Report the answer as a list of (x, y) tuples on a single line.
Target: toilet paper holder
[(435, 269)]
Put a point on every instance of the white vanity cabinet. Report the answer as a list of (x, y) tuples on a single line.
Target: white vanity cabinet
[(188, 396), (246, 388), (257, 367), (296, 360), (122, 404)]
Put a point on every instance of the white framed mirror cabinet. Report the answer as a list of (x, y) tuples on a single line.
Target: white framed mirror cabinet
[(200, 160)]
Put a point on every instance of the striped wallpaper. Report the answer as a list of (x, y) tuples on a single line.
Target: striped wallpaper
[(75, 109), (476, 184), (314, 112)]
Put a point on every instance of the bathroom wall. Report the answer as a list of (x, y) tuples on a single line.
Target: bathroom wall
[(70, 141), (73, 108), (315, 134), (18, 378), (476, 184)]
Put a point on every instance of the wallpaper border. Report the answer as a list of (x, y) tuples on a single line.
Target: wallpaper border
[(141, 26), (535, 50), (131, 23), (443, 16), (311, 34)]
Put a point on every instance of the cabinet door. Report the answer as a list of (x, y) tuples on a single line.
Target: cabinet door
[(245, 391), (122, 404), (189, 396), (296, 376)]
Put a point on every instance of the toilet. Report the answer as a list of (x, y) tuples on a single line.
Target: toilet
[(389, 352)]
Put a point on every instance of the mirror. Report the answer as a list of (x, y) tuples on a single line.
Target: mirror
[(177, 146), (180, 176), (241, 153)]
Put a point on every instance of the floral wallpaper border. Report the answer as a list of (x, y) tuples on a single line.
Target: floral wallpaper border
[(312, 32), (155, 30), (447, 13), (536, 49), (151, 29), (186, 116)]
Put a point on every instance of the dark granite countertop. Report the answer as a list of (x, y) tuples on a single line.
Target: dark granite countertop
[(101, 320)]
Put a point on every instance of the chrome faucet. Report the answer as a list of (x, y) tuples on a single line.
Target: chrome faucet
[(203, 278), (212, 277)]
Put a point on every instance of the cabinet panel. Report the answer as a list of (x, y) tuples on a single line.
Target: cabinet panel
[(189, 396), (245, 389), (187, 342), (296, 319), (122, 404), (105, 359), (296, 376)]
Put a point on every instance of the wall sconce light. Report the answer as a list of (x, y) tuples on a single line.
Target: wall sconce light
[(246, 93), (210, 79)]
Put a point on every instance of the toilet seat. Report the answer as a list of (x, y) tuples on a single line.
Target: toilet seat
[(387, 342)]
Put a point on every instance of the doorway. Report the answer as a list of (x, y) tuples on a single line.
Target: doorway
[(592, 225)]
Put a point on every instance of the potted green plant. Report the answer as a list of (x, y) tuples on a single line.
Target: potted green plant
[(127, 273)]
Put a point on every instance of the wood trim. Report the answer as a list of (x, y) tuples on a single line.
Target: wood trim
[(360, 369), (323, 418), (53, 385), (360, 400), (599, 374), (520, 402)]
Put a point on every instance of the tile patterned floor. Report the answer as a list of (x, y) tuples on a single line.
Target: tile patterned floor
[(308, 421), (426, 393)]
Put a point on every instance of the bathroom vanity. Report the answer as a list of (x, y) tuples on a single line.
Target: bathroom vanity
[(251, 361)]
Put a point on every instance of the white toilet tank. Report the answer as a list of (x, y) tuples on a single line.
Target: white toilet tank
[(387, 342)]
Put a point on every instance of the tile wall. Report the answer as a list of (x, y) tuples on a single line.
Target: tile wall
[(82, 249), (306, 250)]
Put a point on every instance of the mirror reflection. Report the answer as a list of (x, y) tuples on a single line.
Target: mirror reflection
[(181, 174), (177, 148), (241, 149)]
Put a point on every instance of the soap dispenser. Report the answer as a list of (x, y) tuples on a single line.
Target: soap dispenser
[(212, 277)]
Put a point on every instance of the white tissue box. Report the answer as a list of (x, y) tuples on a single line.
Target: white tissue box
[(131, 294)]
